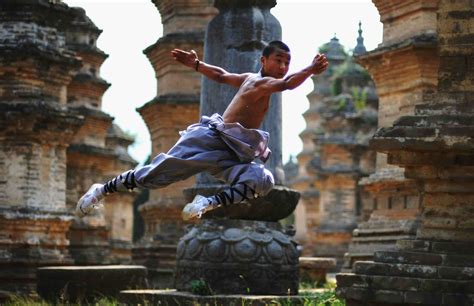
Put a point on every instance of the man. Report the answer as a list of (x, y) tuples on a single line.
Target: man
[(226, 145)]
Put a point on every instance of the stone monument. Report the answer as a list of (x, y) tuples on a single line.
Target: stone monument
[(241, 249), (36, 127), (435, 148), (404, 69), (174, 108)]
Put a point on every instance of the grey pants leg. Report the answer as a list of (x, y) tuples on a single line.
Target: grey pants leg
[(201, 149)]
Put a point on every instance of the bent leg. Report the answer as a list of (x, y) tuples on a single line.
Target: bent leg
[(247, 181), (198, 150)]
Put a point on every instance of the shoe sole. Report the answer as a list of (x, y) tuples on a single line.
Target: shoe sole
[(79, 212), (187, 214)]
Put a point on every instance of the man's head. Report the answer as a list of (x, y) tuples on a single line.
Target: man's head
[(275, 59)]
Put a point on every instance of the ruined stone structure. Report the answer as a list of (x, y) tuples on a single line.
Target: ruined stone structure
[(174, 108), (307, 213), (97, 153), (434, 146), (36, 128), (341, 118), (53, 140), (404, 68)]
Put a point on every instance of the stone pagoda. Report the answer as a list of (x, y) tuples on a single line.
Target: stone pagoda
[(95, 155), (36, 127), (307, 216), (341, 118), (435, 147), (242, 248), (404, 68), (348, 118), (174, 108)]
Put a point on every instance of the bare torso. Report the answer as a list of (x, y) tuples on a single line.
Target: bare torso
[(249, 105)]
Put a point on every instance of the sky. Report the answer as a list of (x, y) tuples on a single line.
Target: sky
[(130, 26)]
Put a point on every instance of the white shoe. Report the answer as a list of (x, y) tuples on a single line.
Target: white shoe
[(89, 201), (199, 206)]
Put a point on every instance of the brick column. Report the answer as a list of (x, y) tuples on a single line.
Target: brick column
[(174, 108), (36, 127), (435, 146), (404, 68)]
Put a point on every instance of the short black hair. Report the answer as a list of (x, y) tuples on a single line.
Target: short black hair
[(273, 46)]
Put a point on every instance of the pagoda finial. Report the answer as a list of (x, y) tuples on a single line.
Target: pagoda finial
[(360, 48)]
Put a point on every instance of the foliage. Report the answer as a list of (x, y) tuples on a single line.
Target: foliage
[(360, 98), (336, 87), (200, 287), (341, 104)]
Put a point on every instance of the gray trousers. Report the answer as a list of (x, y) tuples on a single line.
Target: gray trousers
[(204, 147)]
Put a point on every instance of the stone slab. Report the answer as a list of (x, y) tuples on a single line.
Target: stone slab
[(173, 297), (86, 283)]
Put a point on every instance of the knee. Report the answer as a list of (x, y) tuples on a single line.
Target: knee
[(267, 182)]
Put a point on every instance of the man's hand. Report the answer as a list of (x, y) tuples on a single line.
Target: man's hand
[(319, 64), (184, 57)]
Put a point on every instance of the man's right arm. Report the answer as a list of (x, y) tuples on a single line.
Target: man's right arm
[(319, 65), (212, 72)]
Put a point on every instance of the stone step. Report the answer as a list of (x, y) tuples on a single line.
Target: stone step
[(371, 297), (421, 271), (424, 258), (172, 297), (379, 238), (409, 139), (399, 283), (376, 268), (87, 283), (464, 120), (442, 247), (416, 258), (362, 248), (444, 108)]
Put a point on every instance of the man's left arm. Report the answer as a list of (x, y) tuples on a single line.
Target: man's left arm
[(212, 72)]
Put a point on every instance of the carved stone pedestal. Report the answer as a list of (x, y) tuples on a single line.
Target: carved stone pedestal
[(238, 257)]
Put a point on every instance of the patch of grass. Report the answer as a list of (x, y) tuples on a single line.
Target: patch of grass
[(28, 301)]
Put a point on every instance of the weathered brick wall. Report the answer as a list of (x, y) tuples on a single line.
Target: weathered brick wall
[(33, 175), (404, 19)]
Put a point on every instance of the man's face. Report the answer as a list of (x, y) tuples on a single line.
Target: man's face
[(276, 64)]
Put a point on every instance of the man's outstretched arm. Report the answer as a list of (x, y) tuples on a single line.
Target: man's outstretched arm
[(215, 73), (319, 65)]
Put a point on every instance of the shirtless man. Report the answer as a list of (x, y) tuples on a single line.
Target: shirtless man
[(225, 146)]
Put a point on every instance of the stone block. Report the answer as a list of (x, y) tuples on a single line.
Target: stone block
[(351, 280), (171, 297), (425, 298), (86, 283), (389, 296), (354, 293), (314, 269), (373, 268), (458, 273), (459, 260), (394, 282), (413, 245), (458, 299), (453, 247), (442, 285), (408, 258)]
